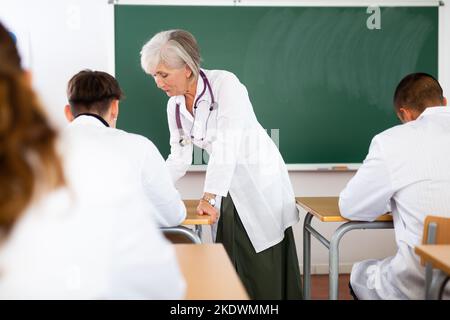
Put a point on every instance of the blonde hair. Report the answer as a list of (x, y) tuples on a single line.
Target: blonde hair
[(174, 48)]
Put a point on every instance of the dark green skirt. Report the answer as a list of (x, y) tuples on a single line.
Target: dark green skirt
[(271, 274)]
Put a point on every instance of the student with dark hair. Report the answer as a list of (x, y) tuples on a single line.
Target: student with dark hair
[(93, 93), (415, 93), (54, 244), (104, 160), (407, 172)]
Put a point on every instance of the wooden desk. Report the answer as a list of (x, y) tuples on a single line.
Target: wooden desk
[(438, 255), (192, 218), (209, 273), (326, 209)]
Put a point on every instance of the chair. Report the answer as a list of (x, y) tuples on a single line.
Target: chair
[(436, 230), (181, 234)]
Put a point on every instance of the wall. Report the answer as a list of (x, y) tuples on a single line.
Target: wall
[(67, 36)]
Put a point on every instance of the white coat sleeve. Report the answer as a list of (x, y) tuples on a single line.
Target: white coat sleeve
[(232, 99), (180, 158), (143, 264), (367, 195), (160, 190)]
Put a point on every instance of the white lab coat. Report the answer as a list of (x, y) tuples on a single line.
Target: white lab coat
[(243, 160), (66, 249), (95, 238), (105, 162), (407, 171)]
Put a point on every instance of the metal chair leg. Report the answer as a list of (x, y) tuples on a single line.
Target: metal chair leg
[(184, 232)]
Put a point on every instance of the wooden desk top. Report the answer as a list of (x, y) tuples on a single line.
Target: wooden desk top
[(437, 254), (192, 218), (209, 273), (326, 209)]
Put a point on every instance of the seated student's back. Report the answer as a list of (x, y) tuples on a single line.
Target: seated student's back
[(53, 243), (407, 171), (103, 162)]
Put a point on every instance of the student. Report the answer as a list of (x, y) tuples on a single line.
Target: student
[(407, 171), (211, 109), (52, 246), (103, 161)]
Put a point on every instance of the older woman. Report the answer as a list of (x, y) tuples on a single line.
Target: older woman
[(211, 109)]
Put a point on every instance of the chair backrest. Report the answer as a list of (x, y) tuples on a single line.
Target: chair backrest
[(181, 234), (436, 230)]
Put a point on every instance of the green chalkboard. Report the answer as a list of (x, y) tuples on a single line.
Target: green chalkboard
[(318, 74)]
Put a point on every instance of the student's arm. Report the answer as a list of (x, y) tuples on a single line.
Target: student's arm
[(367, 196), (160, 190), (180, 158)]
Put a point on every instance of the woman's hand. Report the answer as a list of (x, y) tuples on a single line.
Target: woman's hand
[(205, 208)]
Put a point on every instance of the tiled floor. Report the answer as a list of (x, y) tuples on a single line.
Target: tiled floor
[(319, 287)]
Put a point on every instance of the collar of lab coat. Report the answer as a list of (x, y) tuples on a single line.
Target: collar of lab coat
[(84, 119), (182, 101), (434, 110)]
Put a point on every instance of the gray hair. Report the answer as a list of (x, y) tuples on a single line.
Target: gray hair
[(174, 48)]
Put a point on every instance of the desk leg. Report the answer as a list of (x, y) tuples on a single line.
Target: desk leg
[(307, 257), (333, 263), (428, 279), (198, 230), (437, 286), (334, 249)]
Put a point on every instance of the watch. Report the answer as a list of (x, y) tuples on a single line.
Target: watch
[(210, 200)]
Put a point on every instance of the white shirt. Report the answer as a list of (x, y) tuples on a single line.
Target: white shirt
[(243, 160), (407, 171), (105, 162), (96, 238)]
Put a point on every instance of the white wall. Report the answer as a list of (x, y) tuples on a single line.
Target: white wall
[(444, 47), (67, 36)]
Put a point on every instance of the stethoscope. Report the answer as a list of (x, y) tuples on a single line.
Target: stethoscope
[(184, 140)]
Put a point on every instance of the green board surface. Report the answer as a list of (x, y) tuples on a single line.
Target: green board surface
[(317, 74)]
